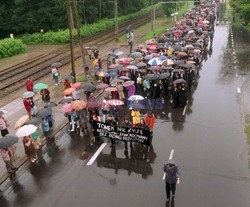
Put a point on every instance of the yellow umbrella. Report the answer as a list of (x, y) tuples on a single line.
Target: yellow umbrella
[(21, 121)]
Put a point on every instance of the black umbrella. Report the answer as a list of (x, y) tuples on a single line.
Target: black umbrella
[(186, 65), (44, 112), (179, 81), (7, 141), (164, 75), (113, 74), (65, 100), (151, 77), (177, 70), (176, 47), (68, 77), (137, 106), (34, 121), (89, 87), (141, 64)]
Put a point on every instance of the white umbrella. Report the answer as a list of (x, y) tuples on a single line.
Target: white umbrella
[(132, 67), (155, 62), (168, 62), (26, 130), (28, 94), (136, 98)]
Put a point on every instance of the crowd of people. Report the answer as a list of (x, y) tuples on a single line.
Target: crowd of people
[(163, 68)]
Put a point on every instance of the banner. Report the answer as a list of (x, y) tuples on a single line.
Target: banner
[(122, 133)]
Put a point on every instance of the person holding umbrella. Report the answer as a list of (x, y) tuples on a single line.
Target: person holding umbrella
[(28, 106), (3, 125), (7, 156), (55, 74), (29, 148)]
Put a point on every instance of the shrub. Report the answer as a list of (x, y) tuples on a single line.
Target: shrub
[(62, 36), (10, 47)]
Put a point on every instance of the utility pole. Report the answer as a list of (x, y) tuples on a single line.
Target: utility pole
[(75, 13), (116, 21), (100, 9), (152, 14), (70, 23)]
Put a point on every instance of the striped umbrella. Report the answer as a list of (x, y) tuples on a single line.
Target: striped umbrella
[(155, 62)]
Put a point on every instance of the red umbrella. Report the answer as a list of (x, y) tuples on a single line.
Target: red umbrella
[(114, 102), (128, 83)]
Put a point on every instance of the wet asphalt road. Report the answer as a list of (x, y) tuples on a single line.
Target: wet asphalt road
[(209, 146)]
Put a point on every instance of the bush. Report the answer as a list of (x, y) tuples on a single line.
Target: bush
[(10, 47), (62, 36)]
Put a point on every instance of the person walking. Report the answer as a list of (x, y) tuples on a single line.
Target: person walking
[(119, 88), (135, 116), (171, 178), (28, 106), (7, 156), (29, 85), (131, 41), (55, 74), (29, 148), (67, 84), (142, 125), (3, 125), (45, 95), (150, 120), (112, 122)]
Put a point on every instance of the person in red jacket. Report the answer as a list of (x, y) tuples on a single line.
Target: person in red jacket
[(67, 84), (29, 85), (150, 120), (28, 106)]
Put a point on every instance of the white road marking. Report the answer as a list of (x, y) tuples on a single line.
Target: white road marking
[(92, 160), (185, 109), (170, 158), (238, 90)]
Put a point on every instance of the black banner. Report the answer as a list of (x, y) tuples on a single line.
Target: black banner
[(122, 133)]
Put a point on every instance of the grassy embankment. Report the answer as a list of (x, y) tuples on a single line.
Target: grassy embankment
[(247, 131)]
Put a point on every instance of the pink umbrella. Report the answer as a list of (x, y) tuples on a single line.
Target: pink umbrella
[(113, 66), (102, 86), (196, 51), (144, 50), (128, 83), (66, 108), (76, 85), (114, 102), (190, 62), (110, 89), (124, 78)]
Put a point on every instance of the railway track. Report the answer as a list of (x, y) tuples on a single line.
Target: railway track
[(37, 67)]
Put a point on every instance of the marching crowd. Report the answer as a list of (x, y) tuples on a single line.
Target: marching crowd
[(163, 68)]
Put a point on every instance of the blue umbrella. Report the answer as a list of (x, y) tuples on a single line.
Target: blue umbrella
[(163, 57)]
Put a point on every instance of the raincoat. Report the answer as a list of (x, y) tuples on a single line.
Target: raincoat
[(135, 117)]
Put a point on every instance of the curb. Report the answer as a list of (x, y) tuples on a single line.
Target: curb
[(25, 159)]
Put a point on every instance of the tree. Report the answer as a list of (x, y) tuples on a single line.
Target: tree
[(241, 7)]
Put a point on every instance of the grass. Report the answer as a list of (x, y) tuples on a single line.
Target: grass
[(81, 78), (247, 132)]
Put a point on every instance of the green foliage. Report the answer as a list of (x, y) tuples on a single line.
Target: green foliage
[(62, 36), (242, 8), (10, 47)]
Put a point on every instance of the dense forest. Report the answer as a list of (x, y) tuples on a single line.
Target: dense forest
[(28, 16), (241, 8)]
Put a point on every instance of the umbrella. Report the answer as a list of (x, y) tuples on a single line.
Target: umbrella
[(164, 75), (69, 91), (78, 105), (56, 64), (102, 74), (66, 108), (163, 57), (65, 100), (151, 41), (115, 66), (40, 86), (154, 68), (141, 64), (186, 65), (177, 70), (42, 113), (3, 111), (148, 57), (196, 51), (114, 102), (28, 94), (168, 62), (125, 69), (128, 83), (189, 46), (136, 55), (89, 87), (76, 85), (118, 53), (124, 78), (155, 62), (182, 54), (132, 67), (26, 130), (190, 62), (137, 106), (136, 98), (118, 80), (176, 47), (7, 141), (141, 71), (179, 81), (102, 86), (113, 74), (93, 47), (110, 89), (68, 77), (21, 121), (151, 77), (34, 121)]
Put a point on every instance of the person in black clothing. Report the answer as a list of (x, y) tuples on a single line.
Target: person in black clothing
[(112, 122), (142, 125), (190, 77), (127, 123), (175, 95), (182, 95)]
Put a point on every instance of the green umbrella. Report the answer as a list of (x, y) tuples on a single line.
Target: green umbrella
[(40, 86)]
